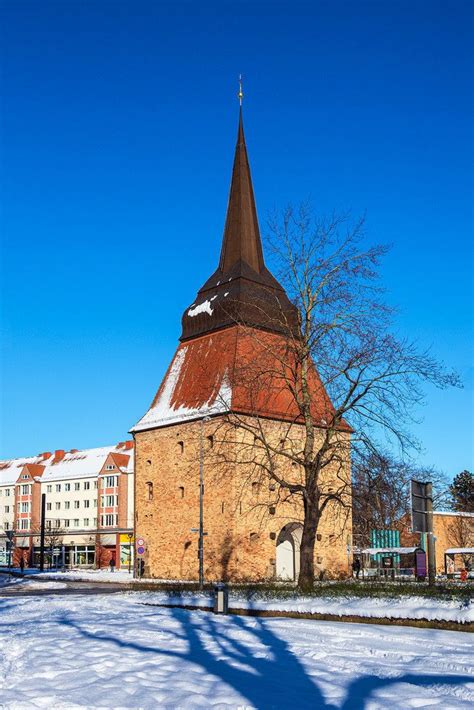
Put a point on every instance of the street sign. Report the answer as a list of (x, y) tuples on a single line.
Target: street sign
[(140, 542), (140, 550), (419, 506)]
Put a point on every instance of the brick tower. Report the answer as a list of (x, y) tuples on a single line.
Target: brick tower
[(241, 316)]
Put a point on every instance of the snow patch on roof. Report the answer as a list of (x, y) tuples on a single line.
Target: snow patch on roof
[(163, 412), (204, 307), (80, 464)]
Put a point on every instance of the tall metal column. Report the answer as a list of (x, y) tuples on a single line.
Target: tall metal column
[(430, 535), (43, 522)]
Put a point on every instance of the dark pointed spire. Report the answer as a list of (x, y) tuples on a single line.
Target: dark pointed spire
[(241, 239)]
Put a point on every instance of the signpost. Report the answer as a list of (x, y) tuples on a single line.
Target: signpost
[(140, 547), (422, 520)]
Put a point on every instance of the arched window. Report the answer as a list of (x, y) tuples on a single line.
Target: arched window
[(210, 441), (180, 447), (181, 491), (148, 461), (149, 486), (253, 536)]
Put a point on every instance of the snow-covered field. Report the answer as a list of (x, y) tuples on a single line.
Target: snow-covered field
[(115, 652)]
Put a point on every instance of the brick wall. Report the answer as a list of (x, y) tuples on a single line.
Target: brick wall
[(242, 521)]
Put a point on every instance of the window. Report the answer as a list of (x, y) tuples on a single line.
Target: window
[(66, 523), (48, 506), (95, 522), (25, 476), (180, 445), (331, 539), (109, 481), (149, 490), (58, 523), (210, 441), (108, 520), (87, 485), (49, 488), (25, 490), (77, 486), (76, 504), (272, 487), (7, 492), (58, 488), (76, 522), (110, 467), (95, 502), (87, 503), (222, 507), (95, 484), (24, 524), (7, 509), (253, 536), (319, 560), (58, 505), (255, 488), (86, 522), (272, 510), (25, 507), (1, 491), (108, 501), (181, 491), (319, 537), (67, 486), (48, 525), (148, 462), (7, 526)]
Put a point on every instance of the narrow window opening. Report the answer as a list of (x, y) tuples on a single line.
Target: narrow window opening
[(210, 440), (181, 447), (222, 507), (149, 462), (319, 537), (181, 491), (272, 510), (149, 486), (255, 488), (253, 536)]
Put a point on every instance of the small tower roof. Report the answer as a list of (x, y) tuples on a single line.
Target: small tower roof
[(241, 290)]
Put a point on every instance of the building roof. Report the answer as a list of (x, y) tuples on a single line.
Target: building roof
[(237, 369), (69, 465), (242, 289)]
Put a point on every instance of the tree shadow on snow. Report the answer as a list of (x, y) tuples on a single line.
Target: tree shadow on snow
[(250, 658)]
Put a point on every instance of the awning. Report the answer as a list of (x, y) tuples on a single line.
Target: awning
[(460, 551), (395, 550)]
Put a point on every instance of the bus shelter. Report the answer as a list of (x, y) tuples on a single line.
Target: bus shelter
[(458, 558), (393, 562)]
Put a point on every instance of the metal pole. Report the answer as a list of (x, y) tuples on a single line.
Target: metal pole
[(129, 554), (430, 536), (201, 508), (43, 521)]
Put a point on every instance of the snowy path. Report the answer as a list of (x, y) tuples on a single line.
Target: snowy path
[(114, 652)]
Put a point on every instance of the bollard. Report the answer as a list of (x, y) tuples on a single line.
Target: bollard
[(221, 599)]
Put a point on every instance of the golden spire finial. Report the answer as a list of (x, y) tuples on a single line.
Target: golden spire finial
[(241, 93)]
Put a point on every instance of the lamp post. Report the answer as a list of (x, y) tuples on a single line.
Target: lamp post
[(201, 504), (130, 535)]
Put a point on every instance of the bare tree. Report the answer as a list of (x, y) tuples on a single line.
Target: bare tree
[(381, 492), (341, 369)]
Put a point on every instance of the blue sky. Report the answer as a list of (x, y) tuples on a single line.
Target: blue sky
[(119, 123)]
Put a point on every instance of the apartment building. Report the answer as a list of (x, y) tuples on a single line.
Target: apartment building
[(89, 506)]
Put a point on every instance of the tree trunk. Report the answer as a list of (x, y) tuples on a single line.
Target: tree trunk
[(308, 538)]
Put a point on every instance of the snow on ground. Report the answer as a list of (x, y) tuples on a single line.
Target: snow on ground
[(396, 607), (115, 652), (403, 607)]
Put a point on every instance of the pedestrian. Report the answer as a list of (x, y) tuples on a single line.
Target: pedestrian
[(464, 575), (22, 564), (112, 563), (356, 567)]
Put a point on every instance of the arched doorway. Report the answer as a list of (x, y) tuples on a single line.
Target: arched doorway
[(288, 552)]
